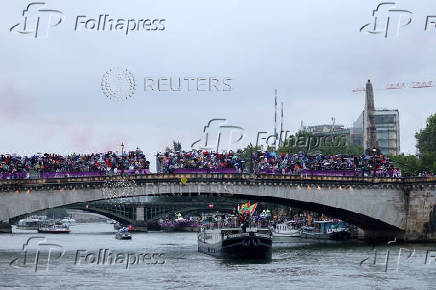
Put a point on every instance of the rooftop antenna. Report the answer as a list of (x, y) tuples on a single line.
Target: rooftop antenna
[(275, 114), (281, 125)]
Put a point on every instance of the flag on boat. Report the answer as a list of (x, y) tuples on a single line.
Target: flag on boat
[(244, 208), (252, 208)]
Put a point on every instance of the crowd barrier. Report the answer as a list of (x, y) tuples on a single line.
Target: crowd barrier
[(310, 172), (25, 175), (345, 172), (16, 175), (329, 172), (307, 172), (204, 170)]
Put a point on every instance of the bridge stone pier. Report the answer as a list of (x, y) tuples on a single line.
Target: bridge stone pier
[(383, 207)]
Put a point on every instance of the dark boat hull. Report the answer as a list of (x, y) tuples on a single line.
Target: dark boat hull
[(180, 229), (122, 237), (250, 247), (53, 232)]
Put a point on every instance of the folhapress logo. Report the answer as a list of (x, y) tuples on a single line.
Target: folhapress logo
[(37, 20), (106, 23), (37, 252)]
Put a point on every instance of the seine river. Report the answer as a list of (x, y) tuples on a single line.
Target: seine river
[(170, 260)]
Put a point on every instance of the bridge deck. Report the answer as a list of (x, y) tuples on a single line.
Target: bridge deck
[(16, 184), (217, 177)]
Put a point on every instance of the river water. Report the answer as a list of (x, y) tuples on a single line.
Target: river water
[(170, 260)]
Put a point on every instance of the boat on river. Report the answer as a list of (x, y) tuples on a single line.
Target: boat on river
[(326, 230), (236, 243), (53, 228), (123, 234), (69, 221), (286, 229), (28, 224)]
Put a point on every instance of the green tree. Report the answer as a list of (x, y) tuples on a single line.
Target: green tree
[(409, 164), (426, 144), (336, 150), (292, 146), (246, 152), (177, 146), (301, 141), (426, 138)]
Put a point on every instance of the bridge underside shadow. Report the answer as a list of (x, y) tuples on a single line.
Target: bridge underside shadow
[(110, 215), (152, 216), (359, 220)]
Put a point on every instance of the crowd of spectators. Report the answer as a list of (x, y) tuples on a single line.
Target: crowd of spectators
[(168, 162), (96, 162), (271, 162), (198, 159), (296, 163)]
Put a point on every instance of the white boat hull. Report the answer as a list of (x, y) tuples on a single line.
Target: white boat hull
[(295, 233)]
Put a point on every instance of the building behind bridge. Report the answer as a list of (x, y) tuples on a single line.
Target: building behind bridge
[(387, 123)]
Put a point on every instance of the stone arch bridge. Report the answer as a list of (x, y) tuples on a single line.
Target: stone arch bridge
[(401, 207)]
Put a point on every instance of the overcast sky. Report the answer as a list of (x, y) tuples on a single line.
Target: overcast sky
[(311, 51)]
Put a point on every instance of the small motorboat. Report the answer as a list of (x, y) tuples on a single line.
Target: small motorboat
[(287, 229), (326, 230), (123, 234), (54, 228), (28, 224), (69, 221)]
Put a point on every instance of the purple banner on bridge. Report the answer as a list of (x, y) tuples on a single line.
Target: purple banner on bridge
[(204, 170), (15, 175), (328, 172), (273, 171), (71, 174), (311, 172), (90, 173), (25, 175)]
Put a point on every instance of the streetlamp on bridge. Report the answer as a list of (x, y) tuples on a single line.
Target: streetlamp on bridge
[(251, 157), (374, 152)]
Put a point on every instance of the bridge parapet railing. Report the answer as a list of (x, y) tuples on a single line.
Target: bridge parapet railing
[(213, 177)]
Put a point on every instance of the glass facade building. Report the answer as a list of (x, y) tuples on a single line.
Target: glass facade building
[(387, 123)]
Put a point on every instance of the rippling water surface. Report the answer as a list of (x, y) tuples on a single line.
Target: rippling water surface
[(296, 264)]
